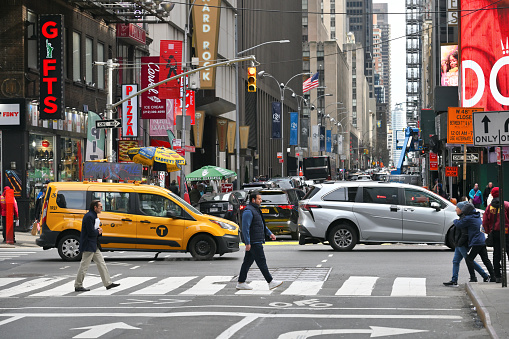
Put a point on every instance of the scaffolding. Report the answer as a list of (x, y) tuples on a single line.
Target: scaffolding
[(414, 22)]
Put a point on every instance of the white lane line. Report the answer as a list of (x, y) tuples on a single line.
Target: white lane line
[(330, 255), (125, 284), (320, 265), (304, 288), (7, 281), (236, 327), (67, 288), (135, 267), (29, 286), (208, 285), (409, 287), (357, 286), (260, 287), (164, 286), (324, 260)]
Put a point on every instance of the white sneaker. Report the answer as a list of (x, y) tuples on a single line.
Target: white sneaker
[(243, 286), (274, 283)]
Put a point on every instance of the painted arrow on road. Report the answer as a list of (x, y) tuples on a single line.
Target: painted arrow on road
[(99, 330), (375, 331)]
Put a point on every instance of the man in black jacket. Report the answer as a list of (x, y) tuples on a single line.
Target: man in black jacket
[(90, 231)]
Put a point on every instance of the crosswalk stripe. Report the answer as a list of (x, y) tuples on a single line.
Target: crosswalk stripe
[(357, 286), (303, 288), (29, 286), (124, 285), (260, 287), (164, 286), (208, 285), (7, 281), (66, 288), (409, 287)]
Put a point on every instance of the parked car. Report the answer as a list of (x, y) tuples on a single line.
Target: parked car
[(284, 183), (257, 185), (347, 213), (280, 210), (223, 205)]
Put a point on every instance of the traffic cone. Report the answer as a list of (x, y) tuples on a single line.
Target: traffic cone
[(300, 172)]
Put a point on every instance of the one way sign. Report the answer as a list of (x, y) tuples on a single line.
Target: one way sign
[(113, 123), (491, 128)]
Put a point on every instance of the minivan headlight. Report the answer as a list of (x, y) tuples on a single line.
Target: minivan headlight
[(224, 225)]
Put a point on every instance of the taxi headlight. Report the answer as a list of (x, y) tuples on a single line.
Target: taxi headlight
[(224, 225)]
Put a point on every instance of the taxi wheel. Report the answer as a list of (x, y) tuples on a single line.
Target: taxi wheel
[(203, 247), (342, 237), (68, 248)]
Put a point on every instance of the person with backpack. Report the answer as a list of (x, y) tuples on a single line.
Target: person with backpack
[(491, 224), (476, 196)]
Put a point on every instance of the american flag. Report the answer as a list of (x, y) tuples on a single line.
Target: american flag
[(310, 83)]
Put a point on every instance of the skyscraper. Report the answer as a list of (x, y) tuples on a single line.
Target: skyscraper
[(382, 22), (413, 59)]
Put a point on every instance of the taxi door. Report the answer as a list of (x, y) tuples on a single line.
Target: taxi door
[(117, 220), (155, 230)]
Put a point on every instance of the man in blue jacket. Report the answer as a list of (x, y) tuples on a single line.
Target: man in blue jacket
[(90, 231), (470, 219), (253, 235)]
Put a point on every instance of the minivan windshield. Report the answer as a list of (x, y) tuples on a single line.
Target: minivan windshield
[(183, 202)]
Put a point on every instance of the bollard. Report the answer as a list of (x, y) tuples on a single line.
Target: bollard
[(9, 216)]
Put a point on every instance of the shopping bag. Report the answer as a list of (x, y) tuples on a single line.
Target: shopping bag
[(34, 228)]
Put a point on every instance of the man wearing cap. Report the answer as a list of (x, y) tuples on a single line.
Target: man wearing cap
[(491, 224), (470, 220)]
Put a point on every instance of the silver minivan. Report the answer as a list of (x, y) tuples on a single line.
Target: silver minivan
[(347, 213)]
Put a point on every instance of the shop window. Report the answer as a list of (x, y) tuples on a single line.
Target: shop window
[(71, 199), (70, 158), (31, 35)]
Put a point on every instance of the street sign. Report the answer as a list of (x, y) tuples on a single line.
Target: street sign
[(343, 157), (451, 171), (459, 125), (472, 158), (491, 128), (433, 161), (191, 149), (281, 161), (113, 123), (280, 155), (176, 143), (225, 188), (181, 152)]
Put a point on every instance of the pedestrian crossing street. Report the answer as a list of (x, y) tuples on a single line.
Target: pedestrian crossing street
[(209, 285)]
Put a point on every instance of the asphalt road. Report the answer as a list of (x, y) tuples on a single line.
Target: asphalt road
[(373, 291)]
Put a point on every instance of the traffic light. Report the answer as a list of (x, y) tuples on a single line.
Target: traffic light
[(251, 79)]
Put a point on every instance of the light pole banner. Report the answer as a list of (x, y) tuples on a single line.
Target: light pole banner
[(276, 120), (95, 138), (294, 128), (171, 65), (304, 132), (199, 124), (335, 143), (231, 136), (222, 126), (340, 144), (322, 138), (244, 136), (315, 138), (328, 140)]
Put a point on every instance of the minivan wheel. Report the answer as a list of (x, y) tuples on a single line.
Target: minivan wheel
[(450, 239), (342, 237), (202, 247), (69, 248)]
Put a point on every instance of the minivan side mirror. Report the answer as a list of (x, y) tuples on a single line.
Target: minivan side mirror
[(436, 205), (171, 214)]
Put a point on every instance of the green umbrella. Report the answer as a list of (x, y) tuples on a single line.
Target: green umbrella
[(210, 173)]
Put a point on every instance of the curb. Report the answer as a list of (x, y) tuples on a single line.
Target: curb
[(482, 311)]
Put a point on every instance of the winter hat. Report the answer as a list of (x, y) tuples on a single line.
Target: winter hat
[(465, 207), (461, 204), (495, 192)]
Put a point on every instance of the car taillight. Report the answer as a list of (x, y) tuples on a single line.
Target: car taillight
[(242, 207), (286, 207), (44, 212), (308, 207)]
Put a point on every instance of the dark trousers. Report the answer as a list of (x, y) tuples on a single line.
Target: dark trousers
[(474, 251), (4, 229), (257, 255), (497, 252)]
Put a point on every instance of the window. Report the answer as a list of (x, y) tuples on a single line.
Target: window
[(274, 198), (342, 194), (380, 195), (76, 56), (418, 198), (71, 199), (89, 60), (116, 202), (31, 32), (158, 206), (100, 69)]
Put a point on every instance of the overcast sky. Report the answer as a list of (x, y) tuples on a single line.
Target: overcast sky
[(398, 52)]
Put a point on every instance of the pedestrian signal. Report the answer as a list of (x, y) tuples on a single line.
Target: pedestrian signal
[(251, 79)]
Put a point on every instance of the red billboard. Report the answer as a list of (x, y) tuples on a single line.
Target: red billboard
[(484, 46), (152, 107), (171, 65)]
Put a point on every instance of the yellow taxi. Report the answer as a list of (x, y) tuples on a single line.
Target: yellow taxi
[(134, 218)]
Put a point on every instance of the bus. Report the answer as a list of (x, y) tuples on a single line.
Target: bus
[(317, 168)]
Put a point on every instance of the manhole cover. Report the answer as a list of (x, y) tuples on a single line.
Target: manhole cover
[(24, 275), (290, 273)]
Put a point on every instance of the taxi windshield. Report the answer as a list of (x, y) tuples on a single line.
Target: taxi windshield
[(183, 202)]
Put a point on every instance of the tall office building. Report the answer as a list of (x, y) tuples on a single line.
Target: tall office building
[(382, 22), (360, 23), (414, 19), (399, 122)]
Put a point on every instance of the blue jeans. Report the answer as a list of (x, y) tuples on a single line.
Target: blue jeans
[(257, 255), (460, 253)]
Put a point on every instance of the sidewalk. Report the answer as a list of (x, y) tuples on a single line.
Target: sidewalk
[(492, 305), (23, 239)]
